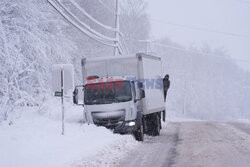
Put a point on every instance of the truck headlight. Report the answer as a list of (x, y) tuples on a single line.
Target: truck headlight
[(131, 123)]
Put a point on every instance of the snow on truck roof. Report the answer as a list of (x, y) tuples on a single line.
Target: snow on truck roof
[(138, 55)]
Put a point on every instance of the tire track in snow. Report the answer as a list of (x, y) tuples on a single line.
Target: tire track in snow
[(242, 127), (156, 151)]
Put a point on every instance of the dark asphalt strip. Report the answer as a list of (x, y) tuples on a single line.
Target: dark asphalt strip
[(175, 140)]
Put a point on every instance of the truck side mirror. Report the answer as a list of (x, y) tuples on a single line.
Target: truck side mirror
[(142, 92), (78, 95)]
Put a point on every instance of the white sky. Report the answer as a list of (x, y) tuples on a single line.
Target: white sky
[(221, 15)]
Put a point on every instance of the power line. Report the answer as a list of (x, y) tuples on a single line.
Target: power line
[(124, 43), (101, 24), (244, 1), (202, 29), (89, 32), (204, 54), (188, 50), (92, 36), (91, 18), (85, 25), (107, 7)]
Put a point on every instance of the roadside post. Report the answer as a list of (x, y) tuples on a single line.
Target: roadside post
[(62, 81)]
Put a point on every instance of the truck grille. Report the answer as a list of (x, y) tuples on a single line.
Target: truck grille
[(108, 119)]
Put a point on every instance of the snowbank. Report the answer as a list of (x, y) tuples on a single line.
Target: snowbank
[(35, 139)]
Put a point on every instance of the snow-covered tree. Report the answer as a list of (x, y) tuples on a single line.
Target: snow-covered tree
[(31, 40)]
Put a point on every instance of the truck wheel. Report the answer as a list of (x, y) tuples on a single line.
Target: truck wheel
[(139, 134), (157, 126)]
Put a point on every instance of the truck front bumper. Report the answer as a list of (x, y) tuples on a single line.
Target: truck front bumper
[(122, 127), (125, 127), (118, 125)]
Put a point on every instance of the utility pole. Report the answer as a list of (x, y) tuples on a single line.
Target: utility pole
[(147, 43), (62, 99), (147, 46), (185, 96), (117, 27)]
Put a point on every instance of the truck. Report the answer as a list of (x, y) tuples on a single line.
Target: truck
[(123, 93)]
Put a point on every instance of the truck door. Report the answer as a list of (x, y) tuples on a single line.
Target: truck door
[(78, 95)]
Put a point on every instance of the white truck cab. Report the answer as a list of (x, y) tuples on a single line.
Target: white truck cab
[(112, 102)]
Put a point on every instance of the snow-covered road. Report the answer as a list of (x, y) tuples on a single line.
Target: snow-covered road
[(194, 144)]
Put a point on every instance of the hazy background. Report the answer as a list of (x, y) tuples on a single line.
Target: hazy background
[(225, 16)]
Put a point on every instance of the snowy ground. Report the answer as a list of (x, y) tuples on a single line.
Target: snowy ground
[(35, 139), (194, 144)]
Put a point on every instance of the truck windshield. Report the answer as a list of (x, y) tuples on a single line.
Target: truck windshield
[(107, 93)]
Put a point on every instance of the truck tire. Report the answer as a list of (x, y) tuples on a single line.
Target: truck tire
[(156, 125), (139, 133)]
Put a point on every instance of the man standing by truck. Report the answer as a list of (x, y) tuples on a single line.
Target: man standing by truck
[(166, 84)]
